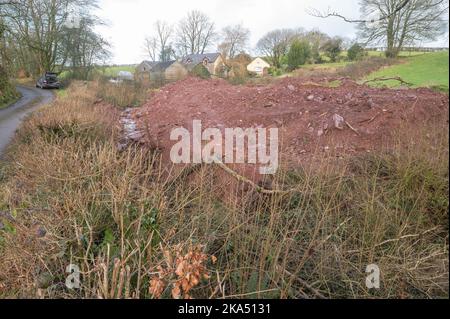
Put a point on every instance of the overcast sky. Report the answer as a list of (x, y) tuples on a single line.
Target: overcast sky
[(130, 21)]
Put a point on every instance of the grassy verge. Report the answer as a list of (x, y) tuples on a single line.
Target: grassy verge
[(123, 95), (10, 101), (8, 93), (354, 70), (137, 230), (425, 70)]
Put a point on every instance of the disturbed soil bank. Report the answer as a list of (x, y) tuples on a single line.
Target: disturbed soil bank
[(312, 117)]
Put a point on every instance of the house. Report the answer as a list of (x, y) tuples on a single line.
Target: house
[(145, 66), (213, 62), (168, 71), (143, 70), (258, 66)]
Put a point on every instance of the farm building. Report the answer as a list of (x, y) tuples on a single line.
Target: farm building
[(143, 69), (168, 71), (258, 66), (213, 62)]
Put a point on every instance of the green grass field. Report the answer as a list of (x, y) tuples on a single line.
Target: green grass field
[(108, 71), (113, 71), (402, 54), (424, 70), (326, 65)]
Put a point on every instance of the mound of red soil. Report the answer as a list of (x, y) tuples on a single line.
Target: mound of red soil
[(348, 119)]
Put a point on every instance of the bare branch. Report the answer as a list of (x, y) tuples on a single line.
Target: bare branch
[(316, 13)]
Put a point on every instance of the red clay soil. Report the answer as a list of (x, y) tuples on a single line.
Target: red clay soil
[(305, 112)]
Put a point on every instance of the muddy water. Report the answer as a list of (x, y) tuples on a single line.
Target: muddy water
[(130, 131), (12, 116)]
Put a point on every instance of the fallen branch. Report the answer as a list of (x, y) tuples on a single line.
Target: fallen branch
[(374, 118), (195, 168), (302, 282), (395, 78), (352, 128), (245, 180), (370, 120)]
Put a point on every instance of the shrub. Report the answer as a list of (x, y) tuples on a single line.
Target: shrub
[(362, 68), (333, 49), (315, 55), (238, 73), (7, 91), (275, 71), (201, 71), (356, 52), (298, 55)]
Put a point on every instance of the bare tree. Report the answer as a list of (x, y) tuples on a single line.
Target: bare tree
[(37, 26), (151, 48), (195, 33), (164, 32), (158, 46), (275, 44), (235, 40), (82, 48), (397, 22), (418, 20)]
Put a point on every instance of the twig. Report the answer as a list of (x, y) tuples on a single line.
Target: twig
[(370, 120), (304, 283), (258, 188), (373, 118), (250, 293), (318, 14), (352, 128), (405, 237)]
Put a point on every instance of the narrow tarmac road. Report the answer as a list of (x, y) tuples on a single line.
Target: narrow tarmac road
[(12, 116)]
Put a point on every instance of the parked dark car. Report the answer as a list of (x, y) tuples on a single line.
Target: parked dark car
[(48, 81)]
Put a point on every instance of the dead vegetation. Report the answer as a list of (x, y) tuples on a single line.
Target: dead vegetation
[(138, 230)]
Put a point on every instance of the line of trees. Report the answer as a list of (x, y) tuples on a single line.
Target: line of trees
[(51, 35), (299, 46), (395, 23), (54, 35), (402, 22), (194, 34)]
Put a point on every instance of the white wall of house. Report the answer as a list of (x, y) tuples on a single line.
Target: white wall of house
[(258, 66)]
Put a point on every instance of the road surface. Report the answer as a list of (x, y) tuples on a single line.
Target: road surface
[(12, 116)]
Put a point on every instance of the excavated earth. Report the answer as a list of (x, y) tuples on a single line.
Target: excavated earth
[(312, 117)]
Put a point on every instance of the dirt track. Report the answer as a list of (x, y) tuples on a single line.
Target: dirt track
[(311, 116)]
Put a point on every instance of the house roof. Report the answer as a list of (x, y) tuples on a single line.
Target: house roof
[(259, 59), (162, 66), (151, 64), (198, 58)]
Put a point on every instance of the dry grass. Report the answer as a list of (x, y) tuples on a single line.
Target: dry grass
[(69, 196), (122, 95)]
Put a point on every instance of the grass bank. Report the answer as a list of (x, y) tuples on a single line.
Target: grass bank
[(425, 70), (8, 93), (137, 230)]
